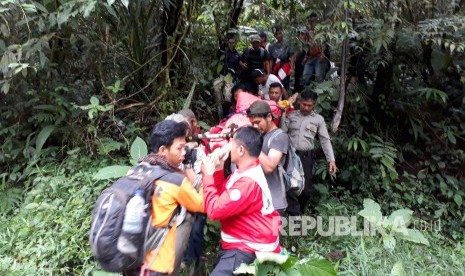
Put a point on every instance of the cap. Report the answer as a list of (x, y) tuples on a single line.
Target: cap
[(256, 73), (258, 108), (178, 118), (187, 113), (254, 38), (262, 34)]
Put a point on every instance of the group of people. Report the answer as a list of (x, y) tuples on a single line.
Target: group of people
[(240, 202), (278, 61), (249, 200), (247, 196)]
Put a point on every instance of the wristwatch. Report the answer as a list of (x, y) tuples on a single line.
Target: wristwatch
[(188, 166)]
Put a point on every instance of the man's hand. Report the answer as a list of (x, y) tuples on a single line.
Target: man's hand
[(211, 164), (332, 167), (293, 98), (208, 165), (191, 155)]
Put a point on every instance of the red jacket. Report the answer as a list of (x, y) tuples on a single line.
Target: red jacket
[(244, 209)]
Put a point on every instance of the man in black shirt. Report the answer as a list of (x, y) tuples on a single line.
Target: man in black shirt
[(231, 58), (253, 58)]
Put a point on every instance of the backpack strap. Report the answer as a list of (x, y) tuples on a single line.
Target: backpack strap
[(281, 162), (155, 172), (159, 235), (274, 135)]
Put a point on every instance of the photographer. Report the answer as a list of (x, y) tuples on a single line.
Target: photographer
[(194, 151), (173, 194)]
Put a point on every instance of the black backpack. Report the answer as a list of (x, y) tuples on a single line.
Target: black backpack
[(108, 216)]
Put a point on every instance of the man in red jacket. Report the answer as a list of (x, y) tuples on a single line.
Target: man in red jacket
[(242, 204)]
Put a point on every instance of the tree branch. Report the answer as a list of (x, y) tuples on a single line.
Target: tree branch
[(342, 89)]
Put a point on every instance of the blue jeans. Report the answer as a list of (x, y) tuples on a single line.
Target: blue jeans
[(312, 67)]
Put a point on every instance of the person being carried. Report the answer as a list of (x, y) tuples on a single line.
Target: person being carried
[(173, 194), (229, 107), (242, 204)]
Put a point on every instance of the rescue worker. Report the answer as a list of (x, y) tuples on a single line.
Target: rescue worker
[(242, 204), (173, 195)]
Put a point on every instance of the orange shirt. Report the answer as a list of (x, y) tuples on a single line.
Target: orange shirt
[(171, 190)]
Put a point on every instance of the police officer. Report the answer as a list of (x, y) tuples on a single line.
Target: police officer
[(302, 127)]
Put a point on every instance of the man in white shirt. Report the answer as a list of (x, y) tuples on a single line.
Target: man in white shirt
[(264, 80)]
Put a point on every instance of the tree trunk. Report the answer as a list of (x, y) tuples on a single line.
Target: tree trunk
[(342, 87), (234, 13), (170, 21), (292, 12), (172, 34)]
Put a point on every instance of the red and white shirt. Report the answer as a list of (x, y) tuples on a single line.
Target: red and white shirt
[(243, 206)]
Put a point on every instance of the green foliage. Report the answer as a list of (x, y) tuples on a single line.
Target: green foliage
[(81, 79), (10, 198), (107, 145), (392, 227), (276, 264), (446, 31), (110, 172), (367, 254), (94, 107), (138, 150), (431, 93), (47, 234), (41, 119)]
